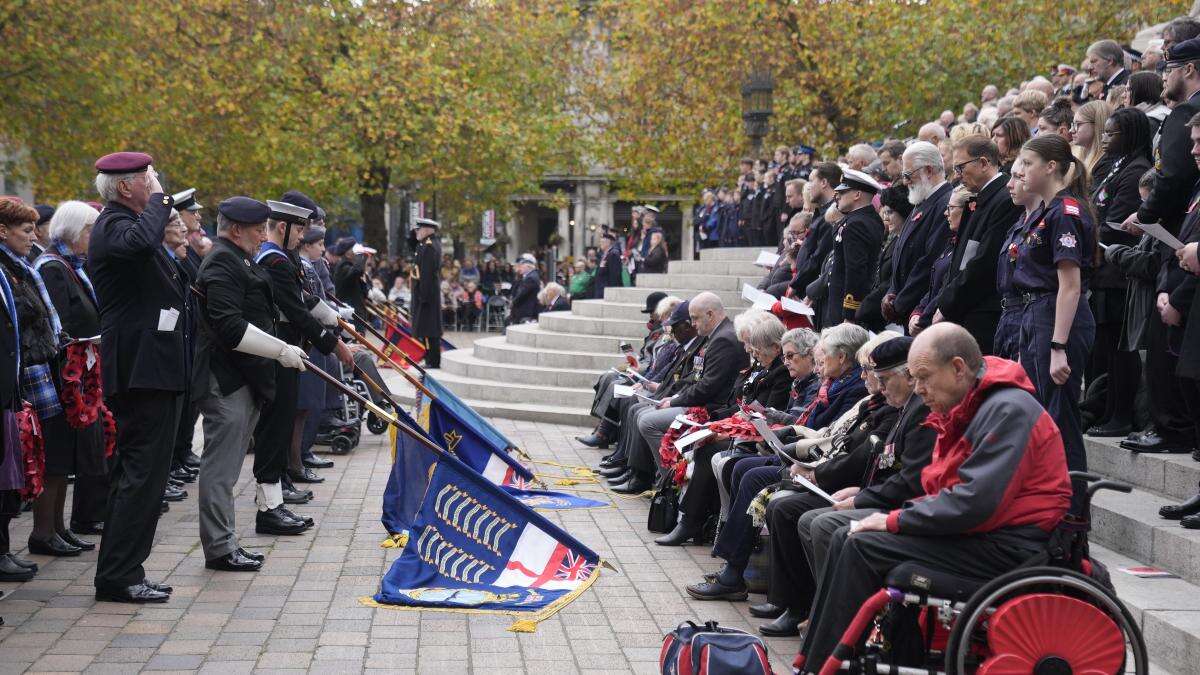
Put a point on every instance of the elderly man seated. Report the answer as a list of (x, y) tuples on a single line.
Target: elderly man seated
[(995, 489)]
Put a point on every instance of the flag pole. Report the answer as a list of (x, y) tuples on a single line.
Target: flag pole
[(379, 352), (372, 330)]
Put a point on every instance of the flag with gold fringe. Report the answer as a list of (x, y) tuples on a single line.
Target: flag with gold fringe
[(475, 547)]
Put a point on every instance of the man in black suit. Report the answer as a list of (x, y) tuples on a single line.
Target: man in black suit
[(818, 243), (426, 280), (524, 297), (608, 273), (856, 249), (970, 297), (722, 358), (923, 236), (143, 356), (41, 232), (1106, 62), (1174, 182), (184, 462)]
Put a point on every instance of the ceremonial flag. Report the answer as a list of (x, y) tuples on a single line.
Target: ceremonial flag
[(474, 546), (550, 500), (485, 428), (469, 444), (399, 339), (412, 463)]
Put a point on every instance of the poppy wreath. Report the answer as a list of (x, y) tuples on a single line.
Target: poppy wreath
[(672, 460), (81, 393), (33, 452), (738, 427), (110, 432)]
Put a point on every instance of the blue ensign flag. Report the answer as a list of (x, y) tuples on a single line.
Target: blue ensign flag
[(465, 440), (475, 546), (412, 463), (452, 401)]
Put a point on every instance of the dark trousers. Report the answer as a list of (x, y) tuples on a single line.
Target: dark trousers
[(89, 499), (604, 406), (792, 583), (433, 352), (187, 429), (1167, 407), (702, 499), (273, 435), (146, 426), (982, 326), (858, 564), (1191, 398), (735, 542)]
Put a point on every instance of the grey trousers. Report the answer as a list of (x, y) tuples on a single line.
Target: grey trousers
[(229, 423), (816, 528), (653, 425)]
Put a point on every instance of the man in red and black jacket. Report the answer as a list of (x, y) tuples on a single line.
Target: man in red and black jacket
[(995, 489)]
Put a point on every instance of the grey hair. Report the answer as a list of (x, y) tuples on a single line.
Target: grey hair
[(923, 154), (556, 287), (1108, 49), (762, 329), (844, 339), (803, 339), (863, 152), (933, 127), (69, 221), (666, 306), (106, 184), (223, 223), (863, 355)]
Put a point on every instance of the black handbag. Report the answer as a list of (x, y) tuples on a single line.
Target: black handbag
[(664, 507)]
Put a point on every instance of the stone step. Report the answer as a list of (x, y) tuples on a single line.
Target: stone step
[(707, 282), (464, 363), (499, 391), (1129, 524), (531, 412), (735, 253), (531, 335), (1167, 610), (734, 267), (1175, 476), (637, 294), (603, 309), (499, 350), (568, 322)]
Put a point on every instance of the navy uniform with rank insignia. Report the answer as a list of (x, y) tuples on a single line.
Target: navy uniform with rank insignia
[(300, 327), (1064, 232), (234, 374), (856, 248), (427, 293), (143, 357), (184, 462)]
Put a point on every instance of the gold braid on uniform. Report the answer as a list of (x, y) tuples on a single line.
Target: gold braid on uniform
[(850, 303)]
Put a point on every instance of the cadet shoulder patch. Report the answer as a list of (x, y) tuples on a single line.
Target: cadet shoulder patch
[(1070, 206), (1067, 240)]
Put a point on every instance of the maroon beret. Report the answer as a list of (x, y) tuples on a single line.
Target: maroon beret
[(124, 162)]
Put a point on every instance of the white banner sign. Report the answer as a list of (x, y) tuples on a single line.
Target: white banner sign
[(487, 235)]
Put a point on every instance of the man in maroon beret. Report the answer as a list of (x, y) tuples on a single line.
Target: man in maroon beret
[(143, 346)]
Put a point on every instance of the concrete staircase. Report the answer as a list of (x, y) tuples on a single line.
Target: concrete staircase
[(544, 372)]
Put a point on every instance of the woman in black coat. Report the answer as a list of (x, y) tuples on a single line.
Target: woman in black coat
[(1127, 142), (656, 259)]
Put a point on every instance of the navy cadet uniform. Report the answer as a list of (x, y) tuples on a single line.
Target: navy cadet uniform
[(184, 463), (427, 296), (608, 272), (525, 292), (273, 436), (1007, 341), (1064, 232), (856, 248), (143, 357)]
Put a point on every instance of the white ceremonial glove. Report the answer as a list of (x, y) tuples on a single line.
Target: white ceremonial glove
[(359, 249), (324, 314), (346, 312), (256, 342)]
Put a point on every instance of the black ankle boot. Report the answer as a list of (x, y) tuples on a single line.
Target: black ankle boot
[(683, 532)]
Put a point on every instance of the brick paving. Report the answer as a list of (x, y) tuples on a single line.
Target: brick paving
[(301, 613)]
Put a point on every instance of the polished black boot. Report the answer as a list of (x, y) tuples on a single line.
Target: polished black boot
[(622, 477), (766, 610), (787, 625), (1177, 511), (614, 471), (635, 485), (594, 440), (683, 532)]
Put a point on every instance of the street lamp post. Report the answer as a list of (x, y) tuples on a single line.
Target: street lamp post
[(757, 107)]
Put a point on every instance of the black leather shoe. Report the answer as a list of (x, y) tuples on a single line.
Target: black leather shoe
[(765, 610), (164, 507), (234, 562), (191, 460), (613, 471), (21, 562), (1111, 429), (252, 555), (635, 486), (296, 496), (305, 475), (679, 536), (174, 494), (1177, 511), (308, 522), (54, 546), (787, 625), (193, 470), (1191, 522), (1152, 442), (276, 522), (159, 586), (313, 462), (69, 537), (174, 482), (715, 590), (87, 528), (137, 593), (1196, 455), (623, 477), (11, 571), (594, 441), (183, 475)]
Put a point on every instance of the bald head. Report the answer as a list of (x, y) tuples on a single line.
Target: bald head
[(945, 362), (707, 312)]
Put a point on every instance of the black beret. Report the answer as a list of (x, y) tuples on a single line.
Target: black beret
[(124, 162), (344, 244), (45, 212), (320, 213), (1184, 52), (298, 198), (891, 354), (244, 210), (652, 301)]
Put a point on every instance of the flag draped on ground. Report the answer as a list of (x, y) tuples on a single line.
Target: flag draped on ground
[(473, 546), (470, 441)]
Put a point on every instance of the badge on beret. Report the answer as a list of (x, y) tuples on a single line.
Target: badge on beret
[(1067, 240)]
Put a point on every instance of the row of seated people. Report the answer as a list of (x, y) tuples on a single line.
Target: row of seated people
[(932, 453)]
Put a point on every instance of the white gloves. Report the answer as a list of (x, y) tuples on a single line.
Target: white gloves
[(346, 312), (359, 249), (259, 343), (324, 314)]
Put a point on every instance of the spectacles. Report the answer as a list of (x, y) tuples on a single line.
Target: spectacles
[(793, 356), (958, 168), (907, 175), (1075, 124)]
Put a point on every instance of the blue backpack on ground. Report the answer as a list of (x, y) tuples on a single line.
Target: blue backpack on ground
[(712, 650)]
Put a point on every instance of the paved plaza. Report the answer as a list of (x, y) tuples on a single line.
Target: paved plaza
[(301, 612)]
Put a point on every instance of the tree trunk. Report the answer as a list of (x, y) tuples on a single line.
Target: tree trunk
[(372, 201)]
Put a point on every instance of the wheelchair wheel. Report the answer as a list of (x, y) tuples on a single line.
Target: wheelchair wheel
[(341, 445), (375, 425), (1016, 623)]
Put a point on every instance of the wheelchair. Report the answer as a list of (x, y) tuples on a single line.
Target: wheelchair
[(1055, 615)]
